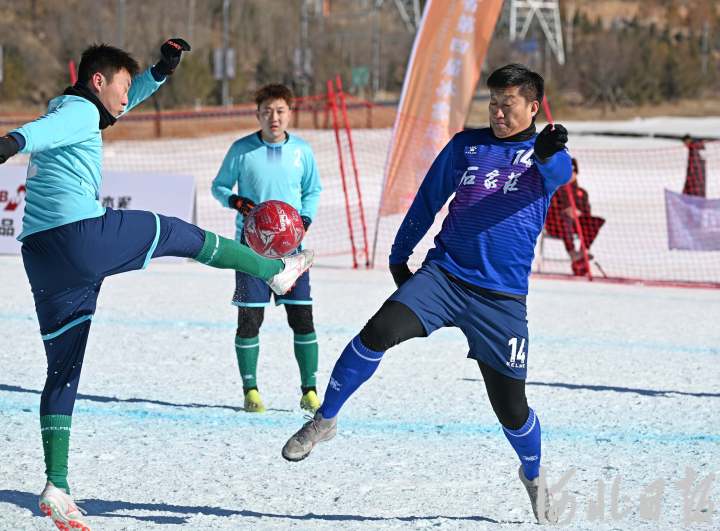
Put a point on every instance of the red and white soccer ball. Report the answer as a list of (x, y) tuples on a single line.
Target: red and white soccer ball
[(273, 229)]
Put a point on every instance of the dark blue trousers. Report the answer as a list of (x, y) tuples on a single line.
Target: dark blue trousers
[(66, 267)]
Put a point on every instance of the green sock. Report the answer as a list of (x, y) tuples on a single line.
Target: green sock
[(247, 350), (55, 431), (228, 254), (306, 354)]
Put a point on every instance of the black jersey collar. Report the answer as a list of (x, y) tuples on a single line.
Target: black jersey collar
[(522, 136), (81, 90)]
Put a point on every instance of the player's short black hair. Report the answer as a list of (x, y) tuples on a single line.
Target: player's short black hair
[(107, 60), (274, 91), (574, 164), (532, 85)]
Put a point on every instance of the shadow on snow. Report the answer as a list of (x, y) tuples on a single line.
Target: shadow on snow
[(110, 508)]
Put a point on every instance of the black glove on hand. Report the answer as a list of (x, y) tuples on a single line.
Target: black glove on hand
[(241, 204), (171, 50), (8, 147), (400, 273), (550, 141), (306, 222)]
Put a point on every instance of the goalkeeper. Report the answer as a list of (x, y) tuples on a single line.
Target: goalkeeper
[(71, 243), (271, 164)]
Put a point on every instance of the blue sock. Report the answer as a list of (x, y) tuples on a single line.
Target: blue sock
[(356, 364), (526, 443)]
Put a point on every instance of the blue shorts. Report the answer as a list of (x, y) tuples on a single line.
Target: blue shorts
[(495, 326), (254, 292), (66, 265)]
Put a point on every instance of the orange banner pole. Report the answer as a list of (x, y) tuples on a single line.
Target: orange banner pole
[(442, 75)]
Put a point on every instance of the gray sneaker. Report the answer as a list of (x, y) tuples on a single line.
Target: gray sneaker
[(540, 498), (317, 429)]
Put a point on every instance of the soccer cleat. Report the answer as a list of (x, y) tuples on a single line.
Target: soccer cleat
[(540, 498), (59, 506), (310, 401), (295, 266), (253, 402), (314, 431)]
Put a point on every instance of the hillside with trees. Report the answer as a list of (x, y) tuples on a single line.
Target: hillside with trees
[(619, 53)]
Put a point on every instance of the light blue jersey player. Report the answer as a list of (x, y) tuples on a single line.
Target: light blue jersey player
[(476, 276), (271, 164), (70, 243)]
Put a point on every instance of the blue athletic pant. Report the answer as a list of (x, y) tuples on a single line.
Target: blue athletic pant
[(66, 266)]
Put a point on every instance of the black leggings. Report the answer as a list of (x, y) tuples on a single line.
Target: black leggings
[(299, 318), (507, 397), (394, 323)]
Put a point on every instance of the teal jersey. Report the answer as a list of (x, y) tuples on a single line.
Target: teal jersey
[(64, 173), (285, 171)]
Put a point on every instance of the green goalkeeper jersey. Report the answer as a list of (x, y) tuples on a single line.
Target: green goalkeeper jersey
[(260, 171)]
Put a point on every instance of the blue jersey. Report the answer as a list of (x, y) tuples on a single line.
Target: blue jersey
[(285, 171), (65, 171), (502, 193)]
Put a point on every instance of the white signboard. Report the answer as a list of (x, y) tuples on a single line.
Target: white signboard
[(171, 195)]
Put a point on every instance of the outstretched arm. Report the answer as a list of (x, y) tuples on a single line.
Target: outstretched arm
[(145, 84), (439, 184)]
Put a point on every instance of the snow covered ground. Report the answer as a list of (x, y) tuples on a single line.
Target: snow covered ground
[(624, 379)]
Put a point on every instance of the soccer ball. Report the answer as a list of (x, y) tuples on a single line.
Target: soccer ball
[(273, 229)]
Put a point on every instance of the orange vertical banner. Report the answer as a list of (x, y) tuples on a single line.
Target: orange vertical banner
[(444, 69)]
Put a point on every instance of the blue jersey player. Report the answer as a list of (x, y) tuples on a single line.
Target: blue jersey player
[(271, 164), (476, 276), (71, 243)]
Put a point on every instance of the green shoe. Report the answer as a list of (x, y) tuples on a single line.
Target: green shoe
[(253, 402), (310, 401)]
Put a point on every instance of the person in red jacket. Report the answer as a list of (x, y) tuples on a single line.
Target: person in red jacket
[(695, 173), (561, 223)]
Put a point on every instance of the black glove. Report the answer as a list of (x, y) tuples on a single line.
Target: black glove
[(400, 273), (306, 222), (8, 147), (241, 204), (550, 141), (171, 50)]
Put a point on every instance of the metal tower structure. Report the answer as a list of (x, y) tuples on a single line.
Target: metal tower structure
[(546, 14)]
